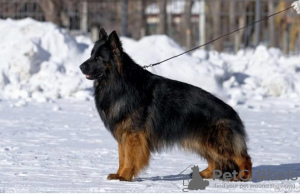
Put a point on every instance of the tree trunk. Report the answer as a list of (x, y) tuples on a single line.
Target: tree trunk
[(52, 10), (143, 19), (202, 23), (257, 25), (271, 22), (294, 33), (241, 23), (9, 8), (162, 25), (187, 23), (124, 17), (216, 19), (232, 20)]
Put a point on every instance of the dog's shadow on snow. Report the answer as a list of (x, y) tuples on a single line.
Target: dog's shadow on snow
[(166, 178), (268, 172)]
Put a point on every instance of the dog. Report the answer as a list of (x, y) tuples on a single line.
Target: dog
[(147, 113)]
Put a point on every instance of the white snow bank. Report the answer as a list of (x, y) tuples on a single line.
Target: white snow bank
[(39, 61), (262, 73), (186, 68)]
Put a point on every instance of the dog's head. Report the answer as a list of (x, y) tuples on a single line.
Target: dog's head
[(105, 56)]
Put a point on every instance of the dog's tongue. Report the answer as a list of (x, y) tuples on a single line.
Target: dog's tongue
[(87, 76)]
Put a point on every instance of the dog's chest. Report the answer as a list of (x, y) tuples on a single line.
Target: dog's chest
[(111, 112)]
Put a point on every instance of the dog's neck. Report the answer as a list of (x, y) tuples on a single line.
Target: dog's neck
[(131, 72), (130, 82), (111, 90)]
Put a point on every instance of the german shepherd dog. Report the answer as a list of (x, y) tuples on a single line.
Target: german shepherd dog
[(147, 113)]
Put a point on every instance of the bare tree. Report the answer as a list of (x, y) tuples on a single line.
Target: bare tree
[(294, 33), (242, 7), (11, 7), (52, 10), (143, 19), (232, 21), (187, 23), (137, 19), (162, 25), (271, 23), (216, 19), (282, 24)]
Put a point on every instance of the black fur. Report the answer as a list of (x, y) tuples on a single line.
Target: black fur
[(168, 111)]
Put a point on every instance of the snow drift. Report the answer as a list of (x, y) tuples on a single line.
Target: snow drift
[(39, 61)]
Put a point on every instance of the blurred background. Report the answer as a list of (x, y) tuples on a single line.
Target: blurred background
[(188, 22)]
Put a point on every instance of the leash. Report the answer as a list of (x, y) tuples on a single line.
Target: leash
[(295, 5)]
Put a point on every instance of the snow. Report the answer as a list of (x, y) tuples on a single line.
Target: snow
[(64, 147), (36, 55), (53, 139)]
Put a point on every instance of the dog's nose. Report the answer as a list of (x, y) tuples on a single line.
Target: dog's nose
[(82, 67)]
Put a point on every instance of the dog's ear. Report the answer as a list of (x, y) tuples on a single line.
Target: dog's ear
[(115, 43), (102, 34), (115, 46)]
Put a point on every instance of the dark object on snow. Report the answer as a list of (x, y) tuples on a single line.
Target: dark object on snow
[(197, 181), (147, 113)]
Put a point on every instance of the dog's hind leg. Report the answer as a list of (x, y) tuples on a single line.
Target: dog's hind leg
[(218, 162), (137, 155), (121, 163), (208, 172), (226, 146), (245, 167)]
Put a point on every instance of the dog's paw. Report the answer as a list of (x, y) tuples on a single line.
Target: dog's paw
[(113, 176)]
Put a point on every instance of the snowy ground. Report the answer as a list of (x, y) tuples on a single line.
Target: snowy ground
[(64, 147)]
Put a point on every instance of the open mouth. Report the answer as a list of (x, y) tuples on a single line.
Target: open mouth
[(89, 77), (92, 77)]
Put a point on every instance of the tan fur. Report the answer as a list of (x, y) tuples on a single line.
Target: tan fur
[(208, 172), (134, 153), (244, 163), (121, 163), (221, 151), (122, 128), (137, 155)]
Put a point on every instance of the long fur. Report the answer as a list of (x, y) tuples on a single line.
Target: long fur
[(131, 100)]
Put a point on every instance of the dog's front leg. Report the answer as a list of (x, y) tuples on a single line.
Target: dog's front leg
[(121, 163), (137, 155)]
